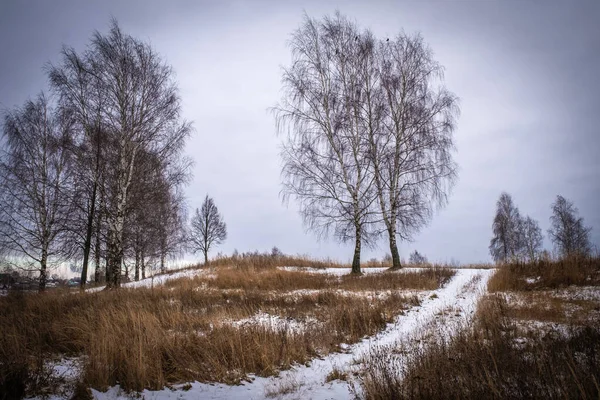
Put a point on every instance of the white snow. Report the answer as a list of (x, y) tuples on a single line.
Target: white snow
[(304, 382), (591, 293), (159, 279), (276, 323)]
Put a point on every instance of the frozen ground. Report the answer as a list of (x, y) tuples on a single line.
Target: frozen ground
[(460, 296), (158, 280)]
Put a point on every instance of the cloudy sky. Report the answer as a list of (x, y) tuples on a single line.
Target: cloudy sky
[(526, 73)]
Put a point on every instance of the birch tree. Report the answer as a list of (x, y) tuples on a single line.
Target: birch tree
[(568, 232), (140, 111), (326, 168), (410, 125), (532, 237), (35, 184), (506, 243), (82, 95)]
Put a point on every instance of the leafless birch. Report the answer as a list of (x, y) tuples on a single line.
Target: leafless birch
[(410, 129), (568, 232), (325, 163), (35, 202)]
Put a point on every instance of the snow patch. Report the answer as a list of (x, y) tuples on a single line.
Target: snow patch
[(276, 323), (160, 279)]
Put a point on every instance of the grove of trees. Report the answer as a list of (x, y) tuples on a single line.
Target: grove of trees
[(368, 133), (517, 238), (97, 168)]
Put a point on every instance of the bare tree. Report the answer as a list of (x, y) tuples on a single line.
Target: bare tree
[(410, 123), (133, 91), (208, 228), (568, 233), (326, 167), (506, 243), (35, 184), (81, 94), (171, 233), (417, 258), (532, 238)]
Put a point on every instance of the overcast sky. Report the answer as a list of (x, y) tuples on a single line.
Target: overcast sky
[(526, 73)]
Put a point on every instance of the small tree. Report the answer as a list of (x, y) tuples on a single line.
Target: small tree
[(532, 238), (506, 242), (275, 252), (208, 228), (567, 231), (417, 258)]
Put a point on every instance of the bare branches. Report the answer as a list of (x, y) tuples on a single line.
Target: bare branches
[(208, 228), (506, 242), (568, 233), (532, 238), (367, 124), (411, 137), (515, 237), (35, 180), (127, 107), (326, 168)]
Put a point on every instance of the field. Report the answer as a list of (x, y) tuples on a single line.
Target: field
[(255, 328)]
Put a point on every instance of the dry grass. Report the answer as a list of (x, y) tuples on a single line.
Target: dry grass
[(277, 280), (266, 260), (546, 275), (532, 343), (148, 338), (546, 306), (336, 374), (490, 360)]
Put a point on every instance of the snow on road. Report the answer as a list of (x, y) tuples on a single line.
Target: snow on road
[(308, 382)]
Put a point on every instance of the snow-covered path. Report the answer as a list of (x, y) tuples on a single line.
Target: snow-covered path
[(308, 382)]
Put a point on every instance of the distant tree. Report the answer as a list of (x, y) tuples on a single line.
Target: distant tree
[(35, 184), (507, 241), (208, 228), (275, 252), (568, 233), (532, 238), (387, 260), (417, 258)]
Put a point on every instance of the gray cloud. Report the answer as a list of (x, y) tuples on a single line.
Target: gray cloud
[(525, 73)]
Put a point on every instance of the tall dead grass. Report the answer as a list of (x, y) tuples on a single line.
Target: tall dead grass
[(271, 279), (583, 271), (148, 338)]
